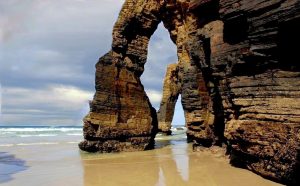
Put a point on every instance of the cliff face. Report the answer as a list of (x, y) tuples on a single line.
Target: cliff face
[(238, 73)]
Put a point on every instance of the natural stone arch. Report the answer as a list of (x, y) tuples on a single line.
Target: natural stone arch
[(121, 117), (237, 87)]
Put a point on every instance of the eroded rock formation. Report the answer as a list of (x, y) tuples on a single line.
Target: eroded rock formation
[(121, 117), (239, 78), (171, 91)]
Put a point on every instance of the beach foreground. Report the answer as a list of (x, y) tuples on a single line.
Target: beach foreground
[(172, 163)]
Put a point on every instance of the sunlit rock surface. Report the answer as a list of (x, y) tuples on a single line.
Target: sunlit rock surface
[(171, 91), (239, 77)]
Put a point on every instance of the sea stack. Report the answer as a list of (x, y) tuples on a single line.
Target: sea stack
[(171, 91), (239, 81)]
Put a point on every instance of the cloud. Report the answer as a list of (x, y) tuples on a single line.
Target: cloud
[(48, 51), (64, 38), (56, 101), (26, 16), (11, 20), (155, 97)]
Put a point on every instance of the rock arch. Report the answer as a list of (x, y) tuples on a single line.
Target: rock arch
[(242, 91), (121, 116)]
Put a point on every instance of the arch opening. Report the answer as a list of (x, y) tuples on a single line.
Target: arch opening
[(162, 83), (178, 121)]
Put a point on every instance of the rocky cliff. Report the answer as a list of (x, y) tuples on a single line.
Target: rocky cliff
[(239, 77)]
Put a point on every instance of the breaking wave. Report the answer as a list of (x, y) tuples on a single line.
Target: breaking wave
[(40, 131)]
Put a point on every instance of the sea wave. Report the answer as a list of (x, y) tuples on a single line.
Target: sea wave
[(75, 134), (6, 145), (25, 132), (178, 128), (38, 135), (38, 143), (73, 142), (56, 133), (38, 129), (12, 130)]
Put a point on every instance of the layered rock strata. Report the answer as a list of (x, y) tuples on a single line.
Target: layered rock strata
[(239, 81), (171, 91), (121, 117), (254, 78)]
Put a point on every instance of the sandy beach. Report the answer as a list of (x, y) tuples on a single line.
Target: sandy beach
[(172, 163)]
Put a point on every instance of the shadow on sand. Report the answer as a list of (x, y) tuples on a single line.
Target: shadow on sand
[(10, 165)]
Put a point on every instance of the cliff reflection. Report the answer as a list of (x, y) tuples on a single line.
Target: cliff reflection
[(172, 163), (167, 165)]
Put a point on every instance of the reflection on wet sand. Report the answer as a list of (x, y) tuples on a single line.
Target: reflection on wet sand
[(146, 168), (156, 167), (10, 165), (121, 169), (173, 163)]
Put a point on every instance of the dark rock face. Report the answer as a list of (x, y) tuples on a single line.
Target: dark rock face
[(238, 75)]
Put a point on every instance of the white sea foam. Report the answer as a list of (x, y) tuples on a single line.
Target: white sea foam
[(6, 145), (177, 128), (173, 129), (36, 135), (75, 134), (73, 142), (40, 143), (46, 135), (25, 136), (70, 129), (38, 129)]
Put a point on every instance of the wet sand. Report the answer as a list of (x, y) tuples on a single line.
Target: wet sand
[(174, 163)]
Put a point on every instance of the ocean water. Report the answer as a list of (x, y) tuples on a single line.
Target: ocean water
[(55, 135), (46, 155), (39, 135)]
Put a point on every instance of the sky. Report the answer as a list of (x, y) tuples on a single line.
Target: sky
[(48, 51)]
